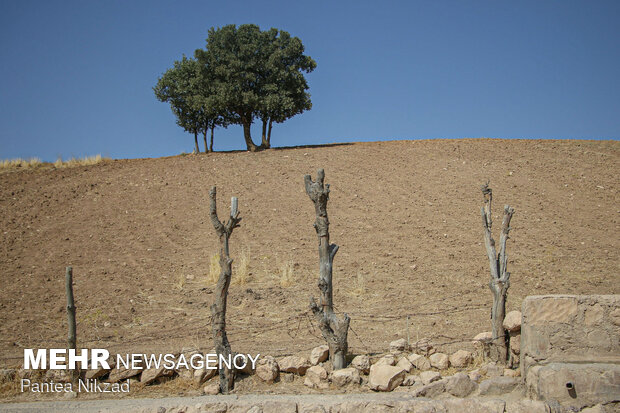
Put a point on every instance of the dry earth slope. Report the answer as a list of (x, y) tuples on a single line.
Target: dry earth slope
[(406, 215)]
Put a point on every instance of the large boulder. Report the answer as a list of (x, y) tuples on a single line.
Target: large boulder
[(385, 378), (319, 354), (405, 364), (482, 338), (431, 390), (346, 376), (294, 364), (316, 377), (148, 376), (460, 385), (515, 344), (461, 358), (398, 346), (427, 377), (498, 385), (267, 369), (512, 321), (362, 363), (440, 361), (419, 362)]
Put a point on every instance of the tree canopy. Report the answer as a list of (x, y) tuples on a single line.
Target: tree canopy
[(243, 74)]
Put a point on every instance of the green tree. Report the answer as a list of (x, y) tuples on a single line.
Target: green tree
[(188, 88), (256, 75), (284, 91)]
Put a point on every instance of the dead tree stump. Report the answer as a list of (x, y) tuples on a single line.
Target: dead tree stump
[(71, 336), (218, 308), (334, 329), (500, 277)]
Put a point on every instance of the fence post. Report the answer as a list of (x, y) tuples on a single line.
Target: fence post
[(71, 339)]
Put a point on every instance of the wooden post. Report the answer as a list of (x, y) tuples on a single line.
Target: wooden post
[(334, 329), (71, 338), (500, 277), (218, 308)]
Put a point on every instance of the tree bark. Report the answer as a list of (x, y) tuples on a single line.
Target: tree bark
[(205, 139), (71, 337), (247, 135), (334, 329), (500, 277), (265, 141), (218, 308), (197, 149), (269, 133), (211, 143)]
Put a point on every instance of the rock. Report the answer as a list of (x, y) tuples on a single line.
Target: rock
[(427, 377), (212, 388), (362, 363), (398, 346), (482, 338), (492, 370), (431, 390), (512, 321), (405, 364), (267, 369), (202, 375), (529, 406), (498, 385), (515, 343), (419, 362), (511, 373), (59, 376), (287, 377), (440, 361), (454, 405), (316, 377), (410, 380), (460, 385), (384, 377), (388, 360), (247, 368), (294, 364), (117, 375), (96, 373), (319, 354), (150, 375), (346, 376), (461, 358)]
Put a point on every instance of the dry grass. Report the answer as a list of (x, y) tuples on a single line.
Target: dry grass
[(14, 164), (241, 274), (287, 276), (20, 164), (87, 160), (214, 268)]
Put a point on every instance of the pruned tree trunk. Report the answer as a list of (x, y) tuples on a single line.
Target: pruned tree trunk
[(196, 149), (269, 132), (265, 140), (500, 277), (71, 336), (211, 143), (218, 308), (247, 135), (334, 329), (205, 139)]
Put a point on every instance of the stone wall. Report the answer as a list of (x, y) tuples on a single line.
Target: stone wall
[(570, 348)]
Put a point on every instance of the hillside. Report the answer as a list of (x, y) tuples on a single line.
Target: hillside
[(406, 215)]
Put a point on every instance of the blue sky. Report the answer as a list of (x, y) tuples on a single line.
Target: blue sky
[(76, 77)]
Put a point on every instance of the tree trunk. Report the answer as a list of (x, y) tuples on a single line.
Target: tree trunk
[(500, 277), (269, 133), (205, 139), (211, 143), (218, 308), (247, 124), (265, 140), (196, 149), (334, 329)]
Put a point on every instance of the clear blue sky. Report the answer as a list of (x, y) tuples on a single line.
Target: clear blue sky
[(76, 76)]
